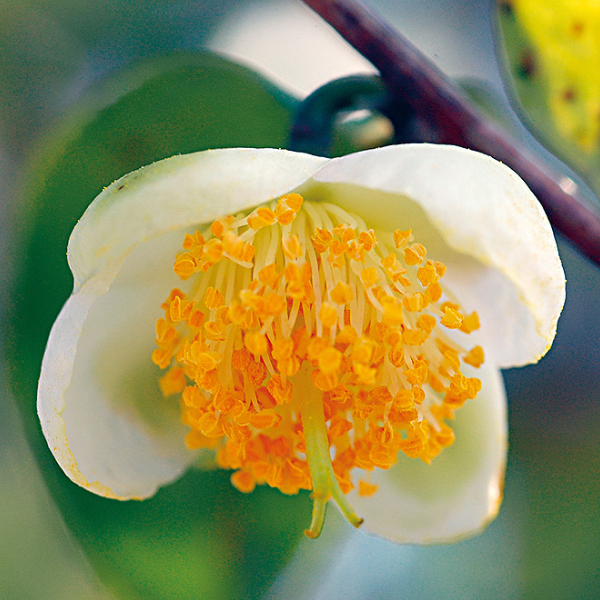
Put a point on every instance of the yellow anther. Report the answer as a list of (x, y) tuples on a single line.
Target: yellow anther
[(337, 248), (265, 419), (414, 337), (401, 238), (404, 399), (327, 315), (338, 428), (414, 445), (208, 361), (451, 318), (209, 425), (321, 239), (173, 382), (282, 392), (418, 374), (347, 335), (434, 292), (426, 323), (165, 332), (240, 315), (296, 274), (451, 359), (244, 481), (193, 241), (366, 489), (283, 349), (418, 393), (369, 277), (398, 276), (256, 343), (363, 351), (365, 375), (367, 239), (235, 248), (292, 247), (451, 305), (315, 346), (213, 298), (475, 357), (393, 313), (415, 302), (261, 217), (414, 254), (330, 361), (287, 207), (463, 388), (226, 402), (252, 300), (256, 373), (214, 330), (344, 232), (248, 252), (185, 266), (396, 355), (293, 201), (162, 357), (341, 293), (193, 397), (213, 250), (286, 216), (269, 276), (219, 227), (274, 305), (324, 381), (428, 274), (390, 262), (175, 310), (380, 395), (196, 319), (470, 323), (440, 268)]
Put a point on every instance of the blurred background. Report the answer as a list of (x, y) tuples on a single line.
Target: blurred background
[(54, 58)]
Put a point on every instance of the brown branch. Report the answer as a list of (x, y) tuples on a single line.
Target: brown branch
[(411, 76)]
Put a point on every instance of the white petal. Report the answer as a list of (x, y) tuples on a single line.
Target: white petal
[(491, 232), (180, 192), (101, 409), (98, 386), (459, 492)]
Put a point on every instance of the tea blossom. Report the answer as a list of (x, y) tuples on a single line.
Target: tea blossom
[(331, 325)]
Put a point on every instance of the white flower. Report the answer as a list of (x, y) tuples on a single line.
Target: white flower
[(114, 433)]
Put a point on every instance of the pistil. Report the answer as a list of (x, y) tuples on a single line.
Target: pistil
[(325, 485)]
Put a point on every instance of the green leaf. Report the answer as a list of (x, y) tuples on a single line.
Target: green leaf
[(551, 51), (198, 537)]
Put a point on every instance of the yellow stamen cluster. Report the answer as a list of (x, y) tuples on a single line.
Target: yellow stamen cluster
[(309, 348)]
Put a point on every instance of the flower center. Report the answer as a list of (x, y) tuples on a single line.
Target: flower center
[(310, 350)]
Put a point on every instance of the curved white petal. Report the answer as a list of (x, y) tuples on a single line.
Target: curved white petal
[(178, 192), (493, 234), (459, 492), (101, 410), (98, 385)]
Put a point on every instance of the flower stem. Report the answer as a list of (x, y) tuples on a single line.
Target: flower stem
[(413, 79), (324, 483)]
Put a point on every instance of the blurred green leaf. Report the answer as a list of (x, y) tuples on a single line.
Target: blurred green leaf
[(37, 58), (551, 51), (198, 537)]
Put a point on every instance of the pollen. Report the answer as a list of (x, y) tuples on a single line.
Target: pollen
[(309, 349)]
